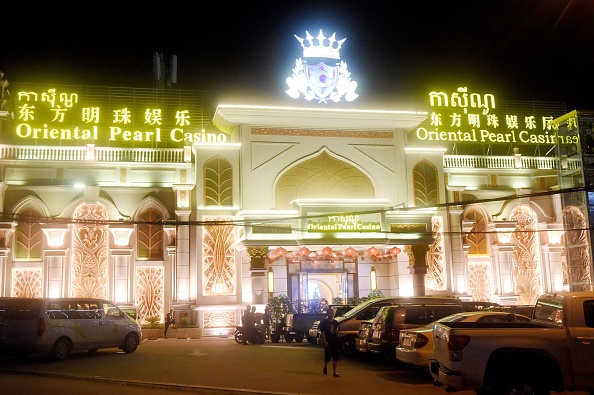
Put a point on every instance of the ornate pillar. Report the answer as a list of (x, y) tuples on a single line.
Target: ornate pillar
[(259, 284), (419, 268), (122, 291), (182, 260), (6, 229), (55, 270)]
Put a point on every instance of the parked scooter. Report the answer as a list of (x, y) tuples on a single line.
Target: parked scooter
[(238, 334)]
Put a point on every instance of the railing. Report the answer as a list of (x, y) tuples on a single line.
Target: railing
[(509, 162), (91, 153)]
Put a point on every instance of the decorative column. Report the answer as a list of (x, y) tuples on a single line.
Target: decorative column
[(458, 266), (182, 262), (6, 229), (419, 268), (184, 270), (121, 262), (56, 274), (259, 284)]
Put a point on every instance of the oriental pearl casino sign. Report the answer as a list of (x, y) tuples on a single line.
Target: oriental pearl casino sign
[(322, 76)]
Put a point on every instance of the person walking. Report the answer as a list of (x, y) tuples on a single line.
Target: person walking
[(169, 320), (329, 329)]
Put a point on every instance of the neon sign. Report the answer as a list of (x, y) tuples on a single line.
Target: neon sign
[(345, 223), (463, 117), (71, 117)]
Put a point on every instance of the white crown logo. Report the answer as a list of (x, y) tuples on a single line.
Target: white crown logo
[(320, 46)]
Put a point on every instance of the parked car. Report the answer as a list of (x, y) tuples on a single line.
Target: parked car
[(415, 346), (524, 309), (363, 335), (313, 335), (470, 305), (58, 326), (390, 320), (350, 321)]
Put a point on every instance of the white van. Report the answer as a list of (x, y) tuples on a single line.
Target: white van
[(58, 326)]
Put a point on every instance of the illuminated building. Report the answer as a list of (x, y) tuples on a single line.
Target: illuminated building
[(204, 211)]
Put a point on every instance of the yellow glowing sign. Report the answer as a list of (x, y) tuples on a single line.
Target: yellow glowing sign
[(66, 116), (462, 117), (346, 223)]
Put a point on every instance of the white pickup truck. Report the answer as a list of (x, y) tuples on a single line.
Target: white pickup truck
[(553, 352)]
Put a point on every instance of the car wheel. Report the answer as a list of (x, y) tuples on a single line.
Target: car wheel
[(525, 384), (299, 337), (275, 337), (61, 349), (311, 340), (348, 346), (238, 337), (289, 337), (130, 343)]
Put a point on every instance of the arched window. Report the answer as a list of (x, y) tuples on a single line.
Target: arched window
[(28, 245), (476, 238), (150, 235), (426, 184), (218, 182)]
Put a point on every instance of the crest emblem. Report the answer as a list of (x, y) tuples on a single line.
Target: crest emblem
[(321, 81)]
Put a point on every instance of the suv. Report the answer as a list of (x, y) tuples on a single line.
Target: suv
[(390, 320), (350, 321)]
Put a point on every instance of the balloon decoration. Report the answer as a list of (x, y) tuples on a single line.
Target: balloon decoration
[(395, 250), (303, 251), (326, 251)]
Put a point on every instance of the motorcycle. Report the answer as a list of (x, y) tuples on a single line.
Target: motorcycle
[(238, 334), (259, 335)]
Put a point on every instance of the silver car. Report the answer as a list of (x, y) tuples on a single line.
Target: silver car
[(415, 345), (58, 326)]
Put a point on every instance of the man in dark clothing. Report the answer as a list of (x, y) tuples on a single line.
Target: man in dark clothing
[(169, 320), (247, 323), (329, 329)]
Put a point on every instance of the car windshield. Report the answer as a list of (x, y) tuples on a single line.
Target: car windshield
[(356, 310)]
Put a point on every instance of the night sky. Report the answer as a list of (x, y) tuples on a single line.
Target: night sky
[(533, 50)]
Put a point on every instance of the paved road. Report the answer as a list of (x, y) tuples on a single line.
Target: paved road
[(211, 366)]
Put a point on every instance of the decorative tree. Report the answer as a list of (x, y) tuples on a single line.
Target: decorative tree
[(279, 306), (375, 293)]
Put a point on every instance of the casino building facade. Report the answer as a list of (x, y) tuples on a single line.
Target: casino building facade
[(160, 199)]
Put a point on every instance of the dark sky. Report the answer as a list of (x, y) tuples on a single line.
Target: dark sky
[(534, 50)]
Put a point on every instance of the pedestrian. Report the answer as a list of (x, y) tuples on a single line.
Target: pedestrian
[(247, 322), (256, 319), (169, 320), (266, 323), (329, 329)]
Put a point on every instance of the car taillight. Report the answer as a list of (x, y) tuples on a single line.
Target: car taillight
[(391, 334), (421, 340), (456, 344), (40, 326)]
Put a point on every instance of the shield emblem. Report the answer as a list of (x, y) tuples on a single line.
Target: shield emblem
[(322, 79)]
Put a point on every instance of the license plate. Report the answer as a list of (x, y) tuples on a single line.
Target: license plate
[(406, 342)]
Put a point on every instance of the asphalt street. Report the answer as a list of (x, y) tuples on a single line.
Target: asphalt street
[(216, 366)]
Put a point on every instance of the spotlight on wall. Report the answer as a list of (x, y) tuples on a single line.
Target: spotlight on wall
[(373, 277)]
